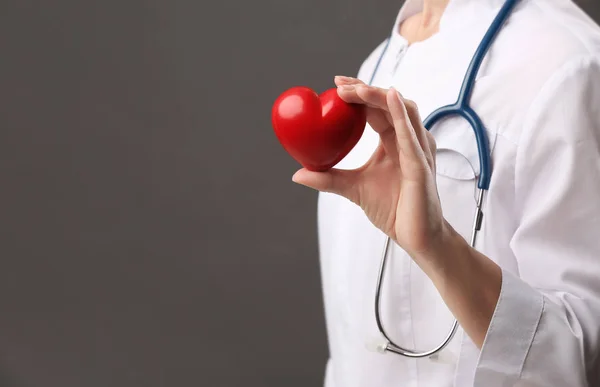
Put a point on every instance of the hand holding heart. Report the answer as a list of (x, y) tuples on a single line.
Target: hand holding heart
[(396, 188)]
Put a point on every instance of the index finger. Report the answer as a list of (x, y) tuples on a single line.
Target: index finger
[(378, 98), (363, 94), (343, 80)]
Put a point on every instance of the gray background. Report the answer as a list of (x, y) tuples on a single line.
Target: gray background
[(149, 231)]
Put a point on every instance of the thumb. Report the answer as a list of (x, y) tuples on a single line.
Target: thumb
[(337, 181)]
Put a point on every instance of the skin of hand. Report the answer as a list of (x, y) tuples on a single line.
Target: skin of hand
[(397, 190)]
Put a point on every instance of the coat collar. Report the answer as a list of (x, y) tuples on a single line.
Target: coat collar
[(464, 22), (457, 12)]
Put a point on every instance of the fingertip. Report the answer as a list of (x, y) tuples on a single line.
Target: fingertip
[(393, 98), (347, 93), (346, 87), (306, 178), (390, 94), (342, 80), (297, 177)]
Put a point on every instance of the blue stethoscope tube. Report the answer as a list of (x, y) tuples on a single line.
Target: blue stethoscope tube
[(462, 109)]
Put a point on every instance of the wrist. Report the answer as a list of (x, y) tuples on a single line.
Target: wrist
[(468, 281), (445, 250)]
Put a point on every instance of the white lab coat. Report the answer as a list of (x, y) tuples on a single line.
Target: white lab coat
[(538, 94)]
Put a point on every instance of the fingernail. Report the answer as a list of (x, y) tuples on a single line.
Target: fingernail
[(295, 176), (343, 78), (397, 94), (346, 87)]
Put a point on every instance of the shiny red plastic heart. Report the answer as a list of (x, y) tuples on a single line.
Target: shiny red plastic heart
[(318, 131)]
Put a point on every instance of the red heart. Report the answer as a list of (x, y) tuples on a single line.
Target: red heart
[(318, 131)]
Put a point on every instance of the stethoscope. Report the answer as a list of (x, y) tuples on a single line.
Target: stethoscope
[(459, 108)]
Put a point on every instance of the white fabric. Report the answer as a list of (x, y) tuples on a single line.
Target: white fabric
[(538, 94)]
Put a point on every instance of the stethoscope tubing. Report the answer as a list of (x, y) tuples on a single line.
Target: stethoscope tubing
[(462, 109)]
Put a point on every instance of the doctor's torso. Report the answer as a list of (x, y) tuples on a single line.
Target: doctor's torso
[(430, 73)]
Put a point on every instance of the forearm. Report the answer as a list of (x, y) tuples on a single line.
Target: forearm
[(468, 281)]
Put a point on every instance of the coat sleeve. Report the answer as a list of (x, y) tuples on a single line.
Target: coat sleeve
[(545, 329)]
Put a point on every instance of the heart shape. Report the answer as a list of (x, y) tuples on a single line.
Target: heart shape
[(318, 131)]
